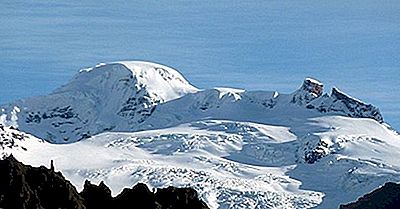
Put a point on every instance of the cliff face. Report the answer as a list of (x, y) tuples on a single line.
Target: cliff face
[(26, 187), (309, 90)]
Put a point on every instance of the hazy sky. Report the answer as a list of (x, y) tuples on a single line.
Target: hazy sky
[(269, 45)]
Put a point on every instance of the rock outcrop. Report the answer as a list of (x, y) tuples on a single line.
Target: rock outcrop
[(309, 90), (343, 104), (354, 107), (385, 197), (140, 196), (26, 187)]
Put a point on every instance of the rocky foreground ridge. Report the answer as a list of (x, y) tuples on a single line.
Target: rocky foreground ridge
[(26, 187), (385, 197)]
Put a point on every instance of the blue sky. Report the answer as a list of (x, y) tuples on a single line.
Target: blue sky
[(269, 45)]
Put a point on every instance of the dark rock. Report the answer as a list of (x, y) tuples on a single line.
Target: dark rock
[(386, 197), (309, 90), (140, 196), (96, 196), (26, 187), (356, 108), (179, 198)]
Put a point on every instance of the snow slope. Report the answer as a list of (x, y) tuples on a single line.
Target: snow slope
[(115, 96), (237, 148), (132, 96), (235, 164)]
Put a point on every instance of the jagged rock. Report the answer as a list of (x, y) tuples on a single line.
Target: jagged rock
[(354, 107), (179, 198), (339, 102), (26, 187), (317, 152), (96, 196), (386, 197), (309, 90), (312, 148), (140, 196)]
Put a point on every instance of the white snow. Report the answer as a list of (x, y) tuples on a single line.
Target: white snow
[(312, 80), (230, 92), (13, 118), (116, 96), (168, 83), (130, 122), (235, 164)]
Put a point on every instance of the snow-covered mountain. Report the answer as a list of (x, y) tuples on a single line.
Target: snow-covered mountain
[(131, 96), (116, 96), (131, 122)]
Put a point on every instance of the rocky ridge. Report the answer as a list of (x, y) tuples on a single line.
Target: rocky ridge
[(26, 187), (385, 197)]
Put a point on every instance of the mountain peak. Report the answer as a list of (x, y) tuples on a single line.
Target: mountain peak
[(113, 96), (341, 103), (161, 82), (156, 77), (309, 90), (312, 86), (336, 93), (355, 107)]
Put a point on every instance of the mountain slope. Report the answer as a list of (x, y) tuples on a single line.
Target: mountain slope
[(185, 156), (236, 164), (132, 96), (116, 96), (237, 148)]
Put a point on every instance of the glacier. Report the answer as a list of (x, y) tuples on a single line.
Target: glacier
[(134, 121)]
